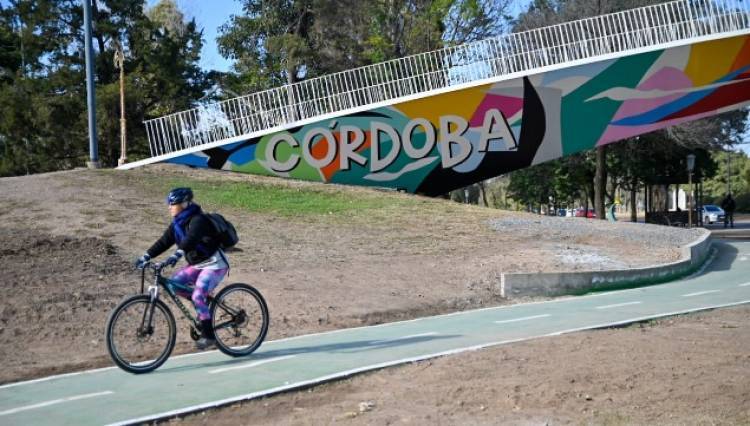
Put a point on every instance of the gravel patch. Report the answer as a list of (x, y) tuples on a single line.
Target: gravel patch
[(571, 227)]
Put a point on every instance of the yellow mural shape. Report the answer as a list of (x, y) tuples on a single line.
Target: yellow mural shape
[(462, 103), (712, 60)]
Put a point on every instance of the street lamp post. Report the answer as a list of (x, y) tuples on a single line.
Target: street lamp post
[(93, 162), (119, 60), (690, 166)]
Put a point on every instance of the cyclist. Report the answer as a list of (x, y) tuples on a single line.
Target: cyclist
[(196, 239)]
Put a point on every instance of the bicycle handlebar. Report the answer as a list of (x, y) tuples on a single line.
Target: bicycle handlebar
[(157, 267), (154, 266)]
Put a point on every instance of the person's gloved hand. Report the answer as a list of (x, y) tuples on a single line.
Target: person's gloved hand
[(141, 261), (173, 259)]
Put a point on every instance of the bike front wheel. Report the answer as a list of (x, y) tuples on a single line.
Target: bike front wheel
[(240, 319), (140, 334)]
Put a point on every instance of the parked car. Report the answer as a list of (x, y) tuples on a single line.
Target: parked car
[(584, 213), (712, 213)]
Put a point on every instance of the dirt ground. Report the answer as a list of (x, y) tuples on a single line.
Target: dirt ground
[(67, 241), (692, 369)]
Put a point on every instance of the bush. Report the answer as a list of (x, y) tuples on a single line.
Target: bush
[(743, 202)]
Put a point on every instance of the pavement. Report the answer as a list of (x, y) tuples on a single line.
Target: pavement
[(741, 230)]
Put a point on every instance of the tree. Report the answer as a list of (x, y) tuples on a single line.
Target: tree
[(732, 172), (42, 92), (283, 41)]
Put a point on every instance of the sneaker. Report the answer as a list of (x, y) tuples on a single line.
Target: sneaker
[(205, 343)]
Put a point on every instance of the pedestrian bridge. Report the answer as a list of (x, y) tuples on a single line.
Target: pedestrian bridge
[(441, 120)]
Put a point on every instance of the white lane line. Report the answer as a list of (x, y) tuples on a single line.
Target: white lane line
[(617, 305), (251, 365), (521, 319), (53, 402), (395, 339), (745, 285), (699, 293)]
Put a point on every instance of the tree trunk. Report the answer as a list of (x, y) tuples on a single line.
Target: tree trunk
[(633, 201), (586, 204), (483, 193), (600, 181)]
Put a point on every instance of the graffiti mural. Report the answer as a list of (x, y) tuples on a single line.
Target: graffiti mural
[(447, 141)]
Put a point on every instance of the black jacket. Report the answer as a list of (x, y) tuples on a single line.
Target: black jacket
[(199, 231), (728, 205)]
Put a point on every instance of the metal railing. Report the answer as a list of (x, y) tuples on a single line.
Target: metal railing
[(386, 81)]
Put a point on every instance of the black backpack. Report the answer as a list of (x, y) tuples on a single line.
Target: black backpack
[(227, 234)]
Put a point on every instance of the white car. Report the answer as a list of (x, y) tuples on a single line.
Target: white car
[(712, 213)]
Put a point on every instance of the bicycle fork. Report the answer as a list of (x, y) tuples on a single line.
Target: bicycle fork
[(148, 316)]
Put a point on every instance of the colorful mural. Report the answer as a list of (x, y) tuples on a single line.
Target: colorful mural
[(447, 141)]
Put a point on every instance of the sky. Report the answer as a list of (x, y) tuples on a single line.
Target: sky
[(209, 15)]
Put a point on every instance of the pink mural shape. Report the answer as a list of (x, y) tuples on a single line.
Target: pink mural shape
[(508, 105), (617, 133), (667, 78)]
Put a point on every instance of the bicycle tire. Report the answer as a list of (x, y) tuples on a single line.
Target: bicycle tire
[(116, 318), (256, 316)]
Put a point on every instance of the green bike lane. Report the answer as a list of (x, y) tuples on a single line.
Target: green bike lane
[(197, 381)]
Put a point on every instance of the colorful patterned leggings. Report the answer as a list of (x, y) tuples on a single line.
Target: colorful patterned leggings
[(205, 281)]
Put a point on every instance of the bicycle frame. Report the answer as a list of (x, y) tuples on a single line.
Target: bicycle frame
[(169, 286)]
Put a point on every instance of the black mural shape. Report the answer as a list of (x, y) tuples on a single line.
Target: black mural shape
[(369, 114), (533, 128)]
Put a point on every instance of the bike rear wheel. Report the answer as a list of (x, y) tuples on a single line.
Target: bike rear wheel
[(140, 335), (240, 319)]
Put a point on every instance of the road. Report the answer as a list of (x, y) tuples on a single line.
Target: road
[(197, 381)]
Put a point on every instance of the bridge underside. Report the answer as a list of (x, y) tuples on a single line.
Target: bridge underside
[(439, 143)]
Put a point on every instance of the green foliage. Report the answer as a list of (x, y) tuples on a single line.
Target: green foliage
[(43, 123), (736, 167), (743, 202)]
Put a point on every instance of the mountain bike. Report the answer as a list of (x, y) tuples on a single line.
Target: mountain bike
[(141, 331)]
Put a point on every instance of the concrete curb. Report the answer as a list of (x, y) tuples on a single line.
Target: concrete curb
[(567, 283)]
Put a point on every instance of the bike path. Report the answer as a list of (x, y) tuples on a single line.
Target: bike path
[(196, 381)]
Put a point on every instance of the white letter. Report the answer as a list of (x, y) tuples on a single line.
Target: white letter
[(429, 143), (447, 138), (271, 153), (376, 163), (307, 147), (348, 147), (491, 117)]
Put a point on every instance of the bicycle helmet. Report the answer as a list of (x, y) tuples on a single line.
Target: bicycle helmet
[(179, 196)]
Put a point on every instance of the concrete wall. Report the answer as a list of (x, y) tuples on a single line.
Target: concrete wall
[(567, 283)]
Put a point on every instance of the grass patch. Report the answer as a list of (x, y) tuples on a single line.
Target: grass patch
[(286, 201), (308, 202)]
